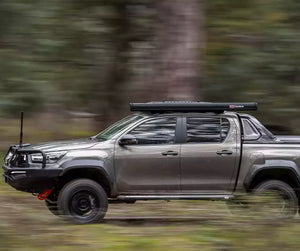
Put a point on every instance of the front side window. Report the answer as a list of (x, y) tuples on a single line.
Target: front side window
[(155, 131), (117, 127), (207, 130)]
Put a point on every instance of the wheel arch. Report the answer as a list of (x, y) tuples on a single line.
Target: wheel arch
[(288, 173), (89, 169)]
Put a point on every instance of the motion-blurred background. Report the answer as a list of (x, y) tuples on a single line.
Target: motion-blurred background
[(73, 66)]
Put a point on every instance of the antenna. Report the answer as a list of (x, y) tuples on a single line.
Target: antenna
[(21, 131)]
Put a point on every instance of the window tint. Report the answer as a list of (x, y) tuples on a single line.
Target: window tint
[(207, 130), (250, 131), (156, 131)]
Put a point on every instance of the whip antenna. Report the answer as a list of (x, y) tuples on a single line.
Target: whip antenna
[(21, 131)]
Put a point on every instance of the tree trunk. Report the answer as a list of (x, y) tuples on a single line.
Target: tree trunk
[(179, 46)]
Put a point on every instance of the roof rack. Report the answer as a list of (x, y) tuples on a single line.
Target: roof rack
[(186, 106)]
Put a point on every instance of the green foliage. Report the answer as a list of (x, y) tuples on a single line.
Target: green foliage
[(94, 55), (73, 53), (253, 54)]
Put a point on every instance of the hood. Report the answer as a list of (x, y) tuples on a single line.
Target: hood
[(295, 139), (65, 145)]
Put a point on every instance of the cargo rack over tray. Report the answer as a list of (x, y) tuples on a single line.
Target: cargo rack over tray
[(183, 106)]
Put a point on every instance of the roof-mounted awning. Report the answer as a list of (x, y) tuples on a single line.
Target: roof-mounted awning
[(184, 106)]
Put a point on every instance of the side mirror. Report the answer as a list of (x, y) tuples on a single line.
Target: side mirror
[(127, 140)]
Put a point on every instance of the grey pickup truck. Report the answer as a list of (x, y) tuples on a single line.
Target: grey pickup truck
[(162, 151)]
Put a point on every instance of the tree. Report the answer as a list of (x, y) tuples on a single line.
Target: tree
[(179, 47)]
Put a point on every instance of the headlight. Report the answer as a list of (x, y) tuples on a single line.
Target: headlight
[(51, 157), (8, 156)]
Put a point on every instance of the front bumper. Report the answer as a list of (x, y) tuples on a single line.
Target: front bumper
[(21, 175), (31, 180)]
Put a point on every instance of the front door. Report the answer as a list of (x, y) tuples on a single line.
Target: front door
[(151, 165), (210, 155)]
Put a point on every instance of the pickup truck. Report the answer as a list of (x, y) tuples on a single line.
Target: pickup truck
[(162, 151)]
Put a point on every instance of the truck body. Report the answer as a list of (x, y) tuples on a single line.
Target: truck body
[(162, 155)]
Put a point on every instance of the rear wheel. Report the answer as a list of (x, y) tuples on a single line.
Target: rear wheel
[(280, 198), (83, 201)]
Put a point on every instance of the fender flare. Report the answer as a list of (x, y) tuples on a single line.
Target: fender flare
[(88, 163), (271, 165)]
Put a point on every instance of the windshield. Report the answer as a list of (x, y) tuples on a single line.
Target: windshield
[(111, 131)]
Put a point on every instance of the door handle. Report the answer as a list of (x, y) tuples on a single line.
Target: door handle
[(224, 152), (172, 153)]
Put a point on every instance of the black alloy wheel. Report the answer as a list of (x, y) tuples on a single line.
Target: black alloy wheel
[(83, 201)]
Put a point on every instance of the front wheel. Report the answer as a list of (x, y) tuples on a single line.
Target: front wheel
[(83, 201)]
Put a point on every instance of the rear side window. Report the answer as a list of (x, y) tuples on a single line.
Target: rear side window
[(156, 131), (250, 131), (207, 130)]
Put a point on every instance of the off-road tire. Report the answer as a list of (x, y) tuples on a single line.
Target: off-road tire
[(83, 201), (285, 190)]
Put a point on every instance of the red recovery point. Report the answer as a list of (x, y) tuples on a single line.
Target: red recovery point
[(45, 194)]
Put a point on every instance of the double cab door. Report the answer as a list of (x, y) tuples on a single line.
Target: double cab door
[(178, 155), (152, 165), (209, 155)]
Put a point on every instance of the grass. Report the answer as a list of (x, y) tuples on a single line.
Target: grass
[(25, 224)]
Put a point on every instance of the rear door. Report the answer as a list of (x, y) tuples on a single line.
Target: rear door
[(210, 154)]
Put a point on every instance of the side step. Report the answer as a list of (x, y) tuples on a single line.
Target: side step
[(175, 197)]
